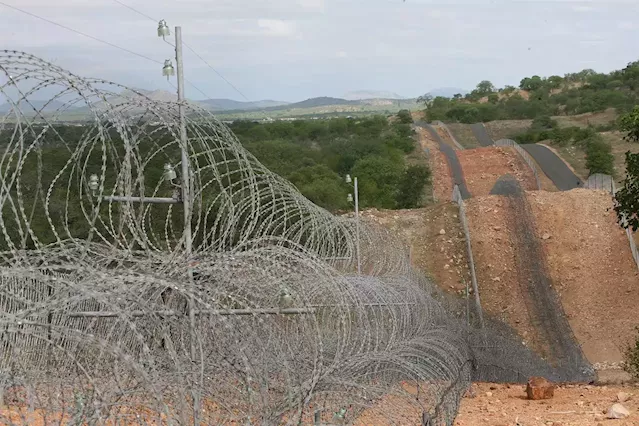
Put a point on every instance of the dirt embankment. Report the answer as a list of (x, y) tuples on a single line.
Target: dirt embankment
[(494, 253), (440, 171), (588, 260), (441, 256), (483, 166), (591, 267)]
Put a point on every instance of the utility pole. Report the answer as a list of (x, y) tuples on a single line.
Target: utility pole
[(186, 205)]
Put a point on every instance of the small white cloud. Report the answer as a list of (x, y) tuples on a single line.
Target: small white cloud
[(277, 27), (342, 54)]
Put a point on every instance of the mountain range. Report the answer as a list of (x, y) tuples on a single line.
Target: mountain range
[(362, 98)]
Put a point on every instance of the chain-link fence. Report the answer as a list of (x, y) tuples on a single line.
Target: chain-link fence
[(525, 156)]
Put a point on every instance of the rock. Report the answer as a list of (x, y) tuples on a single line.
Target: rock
[(622, 397), (580, 403), (489, 394), (617, 411), (442, 232), (496, 228), (546, 236), (446, 266), (539, 388), (495, 279)]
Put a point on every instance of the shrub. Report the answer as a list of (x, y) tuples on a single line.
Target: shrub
[(404, 116), (411, 185), (631, 359), (599, 156)]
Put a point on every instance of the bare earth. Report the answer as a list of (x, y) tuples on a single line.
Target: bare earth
[(572, 405), (440, 172), (483, 166), (591, 267)]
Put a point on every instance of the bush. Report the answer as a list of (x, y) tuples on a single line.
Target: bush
[(411, 186), (631, 359), (599, 156), (404, 116)]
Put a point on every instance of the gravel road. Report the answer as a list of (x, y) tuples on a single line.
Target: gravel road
[(552, 166), (481, 134)]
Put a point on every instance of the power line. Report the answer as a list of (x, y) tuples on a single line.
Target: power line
[(80, 32), (135, 10), (190, 48)]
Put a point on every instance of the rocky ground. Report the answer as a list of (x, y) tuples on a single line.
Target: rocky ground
[(571, 405), (483, 166)]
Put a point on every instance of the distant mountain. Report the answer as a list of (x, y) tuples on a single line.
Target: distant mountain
[(231, 105), (370, 94), (447, 92), (321, 101), (32, 106)]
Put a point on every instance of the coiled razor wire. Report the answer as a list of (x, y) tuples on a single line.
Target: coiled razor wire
[(98, 297)]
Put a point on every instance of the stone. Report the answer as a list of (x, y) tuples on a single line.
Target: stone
[(546, 236), (539, 388), (617, 411), (446, 266), (489, 394), (495, 279), (622, 397), (442, 232), (496, 228)]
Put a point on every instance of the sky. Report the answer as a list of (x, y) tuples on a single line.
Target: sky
[(291, 50)]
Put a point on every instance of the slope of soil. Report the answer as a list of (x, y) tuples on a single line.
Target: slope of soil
[(483, 166), (591, 267), (463, 134), (441, 257), (441, 181), (494, 252), (572, 405)]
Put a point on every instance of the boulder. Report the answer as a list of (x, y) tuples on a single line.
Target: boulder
[(540, 388), (617, 411)]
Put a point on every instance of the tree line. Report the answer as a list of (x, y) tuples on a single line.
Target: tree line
[(316, 155)]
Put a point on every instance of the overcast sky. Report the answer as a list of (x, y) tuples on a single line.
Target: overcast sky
[(295, 49)]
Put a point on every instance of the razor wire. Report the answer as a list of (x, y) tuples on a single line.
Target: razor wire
[(97, 295)]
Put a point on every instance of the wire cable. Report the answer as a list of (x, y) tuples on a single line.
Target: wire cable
[(191, 49), (80, 33)]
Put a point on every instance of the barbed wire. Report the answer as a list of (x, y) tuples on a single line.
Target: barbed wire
[(95, 298)]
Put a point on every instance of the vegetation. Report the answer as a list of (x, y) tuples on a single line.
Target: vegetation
[(627, 197), (404, 116), (315, 155), (576, 93), (631, 359)]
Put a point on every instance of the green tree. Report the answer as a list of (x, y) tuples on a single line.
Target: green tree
[(627, 204), (599, 156), (411, 186), (378, 179), (404, 116), (630, 124), (533, 83), (485, 87), (425, 99), (493, 98), (321, 185)]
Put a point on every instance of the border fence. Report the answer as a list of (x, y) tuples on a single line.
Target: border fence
[(524, 154), (601, 181), (446, 128), (457, 198)]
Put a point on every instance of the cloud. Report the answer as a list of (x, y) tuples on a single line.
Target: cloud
[(342, 54), (277, 27)]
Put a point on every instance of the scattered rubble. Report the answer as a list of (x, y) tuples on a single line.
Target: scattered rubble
[(617, 411)]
